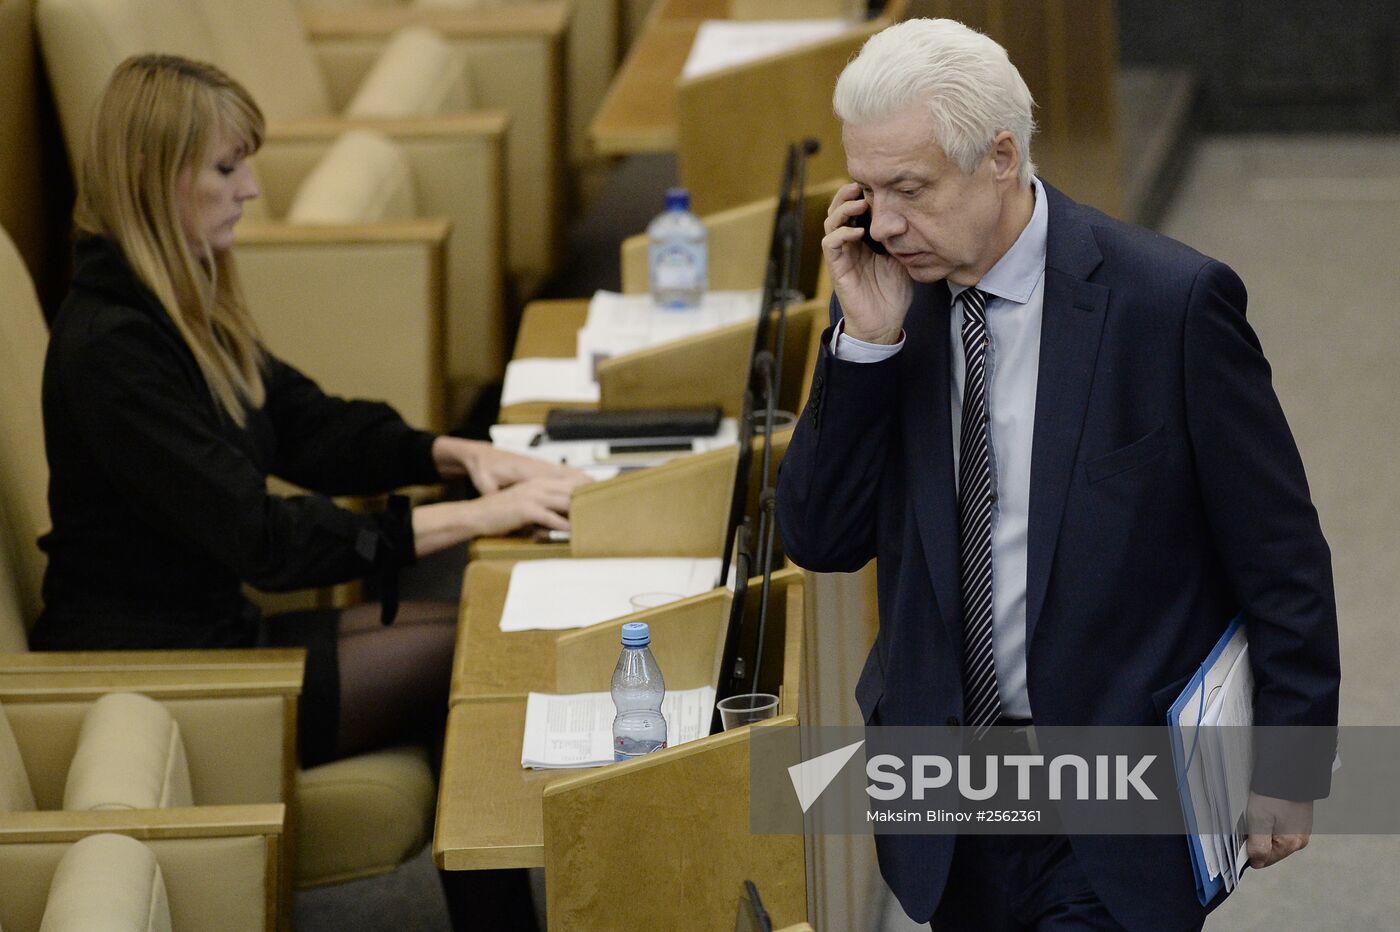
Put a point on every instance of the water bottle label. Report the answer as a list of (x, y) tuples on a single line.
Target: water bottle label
[(677, 267), (635, 749)]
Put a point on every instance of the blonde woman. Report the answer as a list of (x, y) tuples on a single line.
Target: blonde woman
[(164, 415)]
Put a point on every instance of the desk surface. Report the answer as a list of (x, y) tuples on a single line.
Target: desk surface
[(490, 662), (548, 330), (490, 809), (639, 112)]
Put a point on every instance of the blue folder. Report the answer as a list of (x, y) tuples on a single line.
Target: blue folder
[(1207, 887)]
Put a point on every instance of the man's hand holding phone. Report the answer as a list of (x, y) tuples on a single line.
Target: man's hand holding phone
[(874, 290)]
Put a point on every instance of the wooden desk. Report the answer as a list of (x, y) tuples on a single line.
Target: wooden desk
[(489, 662), (490, 810), (489, 807), (639, 113), (548, 330)]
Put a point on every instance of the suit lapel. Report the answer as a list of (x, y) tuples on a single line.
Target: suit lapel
[(928, 449), (1071, 327)]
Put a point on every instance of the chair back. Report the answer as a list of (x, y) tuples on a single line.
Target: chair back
[(24, 471), (111, 882), (15, 792), (260, 43)]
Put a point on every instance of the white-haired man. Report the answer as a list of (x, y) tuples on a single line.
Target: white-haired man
[(1057, 434)]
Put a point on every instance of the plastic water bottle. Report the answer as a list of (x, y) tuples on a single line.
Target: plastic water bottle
[(678, 256), (637, 690)]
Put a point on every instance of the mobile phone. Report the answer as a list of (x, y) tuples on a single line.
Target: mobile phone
[(862, 222)]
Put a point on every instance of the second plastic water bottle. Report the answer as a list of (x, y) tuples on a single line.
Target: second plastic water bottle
[(678, 254), (637, 690)]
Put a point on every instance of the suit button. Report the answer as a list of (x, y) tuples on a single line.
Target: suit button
[(953, 721), (817, 382)]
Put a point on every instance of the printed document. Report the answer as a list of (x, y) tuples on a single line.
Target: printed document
[(576, 730), (559, 594)]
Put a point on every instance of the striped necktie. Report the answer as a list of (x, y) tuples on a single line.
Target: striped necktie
[(981, 702)]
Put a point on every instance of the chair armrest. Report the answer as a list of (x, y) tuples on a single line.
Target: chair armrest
[(220, 864), (27, 828), (378, 23), (238, 719), (172, 673)]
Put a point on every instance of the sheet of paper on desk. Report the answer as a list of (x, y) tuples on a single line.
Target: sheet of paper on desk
[(723, 43), (625, 323), (559, 594), (576, 730), (547, 380)]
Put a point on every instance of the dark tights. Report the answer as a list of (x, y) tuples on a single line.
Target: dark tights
[(393, 689), (393, 680)]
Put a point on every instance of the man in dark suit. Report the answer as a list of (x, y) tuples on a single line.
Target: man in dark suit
[(1057, 433)]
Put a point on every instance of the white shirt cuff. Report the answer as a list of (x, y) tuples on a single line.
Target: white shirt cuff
[(849, 349)]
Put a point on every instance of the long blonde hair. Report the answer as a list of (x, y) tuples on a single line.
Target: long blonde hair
[(156, 120)]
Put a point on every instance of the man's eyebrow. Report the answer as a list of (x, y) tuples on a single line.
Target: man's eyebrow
[(901, 178)]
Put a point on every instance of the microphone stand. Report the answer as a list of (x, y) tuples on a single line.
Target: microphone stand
[(784, 259)]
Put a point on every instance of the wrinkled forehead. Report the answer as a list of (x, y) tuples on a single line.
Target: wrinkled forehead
[(904, 143)]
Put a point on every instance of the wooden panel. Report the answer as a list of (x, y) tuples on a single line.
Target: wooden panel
[(699, 794), (676, 509), (639, 113), (687, 639), (795, 9), (488, 813), (739, 240), (550, 329), (1067, 52), (489, 661), (733, 120)]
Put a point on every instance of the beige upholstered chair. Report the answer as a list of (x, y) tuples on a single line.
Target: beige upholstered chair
[(449, 166), (592, 43), (197, 871), (127, 770), (76, 759), (514, 60), (352, 818)]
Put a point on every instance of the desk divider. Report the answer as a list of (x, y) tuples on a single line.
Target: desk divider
[(687, 639), (675, 825), (766, 105), (705, 369), (738, 240), (677, 509)]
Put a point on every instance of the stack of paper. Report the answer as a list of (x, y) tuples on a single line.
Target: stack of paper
[(724, 43), (1214, 758), (619, 323), (559, 594), (576, 731), (547, 380)]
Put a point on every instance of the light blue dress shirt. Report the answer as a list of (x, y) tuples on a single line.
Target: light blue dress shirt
[(1015, 289)]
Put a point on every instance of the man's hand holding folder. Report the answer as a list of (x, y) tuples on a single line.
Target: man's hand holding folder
[(1277, 828)]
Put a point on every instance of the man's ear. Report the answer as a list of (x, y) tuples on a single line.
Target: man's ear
[(1006, 158)]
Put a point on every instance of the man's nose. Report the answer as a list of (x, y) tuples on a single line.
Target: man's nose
[(885, 222)]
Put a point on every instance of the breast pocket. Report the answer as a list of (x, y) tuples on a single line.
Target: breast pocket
[(1136, 454)]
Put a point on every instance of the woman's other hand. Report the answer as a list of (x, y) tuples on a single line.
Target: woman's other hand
[(492, 469)]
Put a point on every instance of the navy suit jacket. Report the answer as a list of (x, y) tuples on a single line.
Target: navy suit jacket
[(1167, 495)]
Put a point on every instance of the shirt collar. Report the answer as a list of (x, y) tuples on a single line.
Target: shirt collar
[(1015, 275)]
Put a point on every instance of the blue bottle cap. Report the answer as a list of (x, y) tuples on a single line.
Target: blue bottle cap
[(677, 199), (636, 634)]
